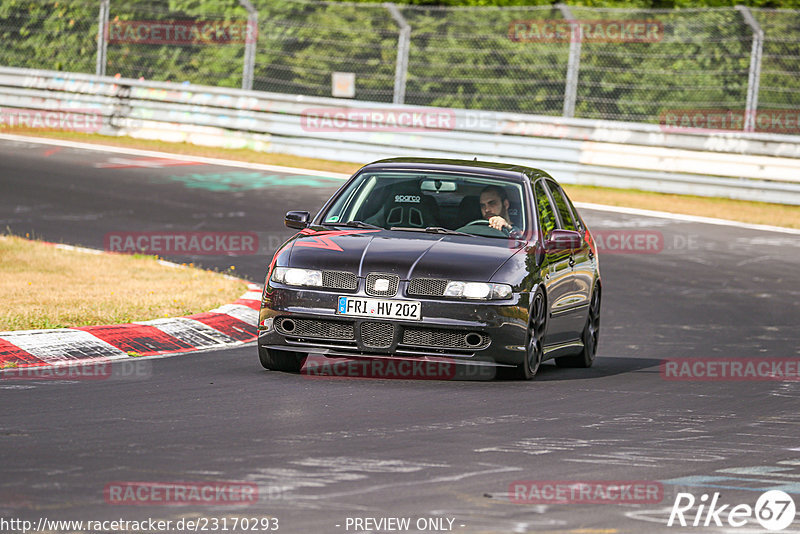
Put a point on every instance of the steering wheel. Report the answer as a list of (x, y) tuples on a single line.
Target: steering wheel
[(485, 222)]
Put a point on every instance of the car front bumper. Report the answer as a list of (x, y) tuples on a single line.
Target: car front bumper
[(462, 331)]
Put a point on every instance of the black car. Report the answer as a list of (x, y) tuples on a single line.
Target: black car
[(425, 259)]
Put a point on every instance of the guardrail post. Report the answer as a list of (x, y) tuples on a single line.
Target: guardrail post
[(403, 45), (573, 63), (102, 43), (754, 77), (249, 45)]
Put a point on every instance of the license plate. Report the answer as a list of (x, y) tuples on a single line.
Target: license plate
[(380, 308)]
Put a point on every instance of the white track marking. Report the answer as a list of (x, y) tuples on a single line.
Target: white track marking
[(685, 218), (63, 345), (238, 311), (184, 157), (191, 332), (293, 170)]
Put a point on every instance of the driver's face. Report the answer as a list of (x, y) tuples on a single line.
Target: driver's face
[(491, 205)]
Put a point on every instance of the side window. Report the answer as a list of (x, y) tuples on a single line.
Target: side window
[(568, 223), (578, 221), (545, 210)]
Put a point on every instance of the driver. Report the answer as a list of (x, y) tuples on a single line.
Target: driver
[(494, 207)]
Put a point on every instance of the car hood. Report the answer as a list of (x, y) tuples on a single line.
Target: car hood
[(406, 254)]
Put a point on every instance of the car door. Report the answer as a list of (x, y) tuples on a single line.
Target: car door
[(555, 268), (585, 262), (576, 301)]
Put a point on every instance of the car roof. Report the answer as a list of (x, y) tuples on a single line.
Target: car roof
[(501, 170)]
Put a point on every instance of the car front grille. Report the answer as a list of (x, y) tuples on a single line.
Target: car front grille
[(393, 279), (443, 338), (427, 287), (315, 328), (377, 335), (339, 280)]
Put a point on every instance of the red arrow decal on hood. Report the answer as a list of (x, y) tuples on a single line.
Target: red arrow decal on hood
[(322, 239)]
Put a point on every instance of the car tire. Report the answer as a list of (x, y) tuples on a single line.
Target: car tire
[(281, 360), (591, 334), (534, 340)]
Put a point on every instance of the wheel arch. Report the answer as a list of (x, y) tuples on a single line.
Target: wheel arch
[(532, 292)]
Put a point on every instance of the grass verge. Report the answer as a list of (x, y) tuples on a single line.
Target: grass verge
[(42, 286), (736, 210)]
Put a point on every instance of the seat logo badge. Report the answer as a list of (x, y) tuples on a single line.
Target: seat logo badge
[(407, 198), (381, 285)]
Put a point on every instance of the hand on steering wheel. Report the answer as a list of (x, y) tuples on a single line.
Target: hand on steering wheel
[(506, 230), (499, 223)]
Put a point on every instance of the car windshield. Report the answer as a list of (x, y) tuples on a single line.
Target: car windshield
[(431, 202)]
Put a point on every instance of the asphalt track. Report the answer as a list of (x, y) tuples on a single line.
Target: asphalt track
[(324, 450)]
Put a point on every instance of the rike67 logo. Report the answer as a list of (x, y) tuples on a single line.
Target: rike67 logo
[(774, 510)]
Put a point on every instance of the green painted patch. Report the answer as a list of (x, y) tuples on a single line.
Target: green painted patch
[(247, 181)]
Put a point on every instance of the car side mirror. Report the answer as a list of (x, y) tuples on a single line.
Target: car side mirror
[(561, 240), (296, 219)]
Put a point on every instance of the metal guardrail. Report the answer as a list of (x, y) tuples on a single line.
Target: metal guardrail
[(761, 167)]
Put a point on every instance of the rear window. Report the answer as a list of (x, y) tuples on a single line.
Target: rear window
[(567, 221), (544, 208)]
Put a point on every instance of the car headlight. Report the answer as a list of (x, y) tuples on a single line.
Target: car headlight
[(292, 276), (478, 290)]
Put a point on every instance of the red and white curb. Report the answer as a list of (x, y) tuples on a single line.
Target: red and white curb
[(231, 324)]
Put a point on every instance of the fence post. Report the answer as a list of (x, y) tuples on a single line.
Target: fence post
[(250, 43), (754, 77), (573, 63), (403, 45), (102, 43)]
